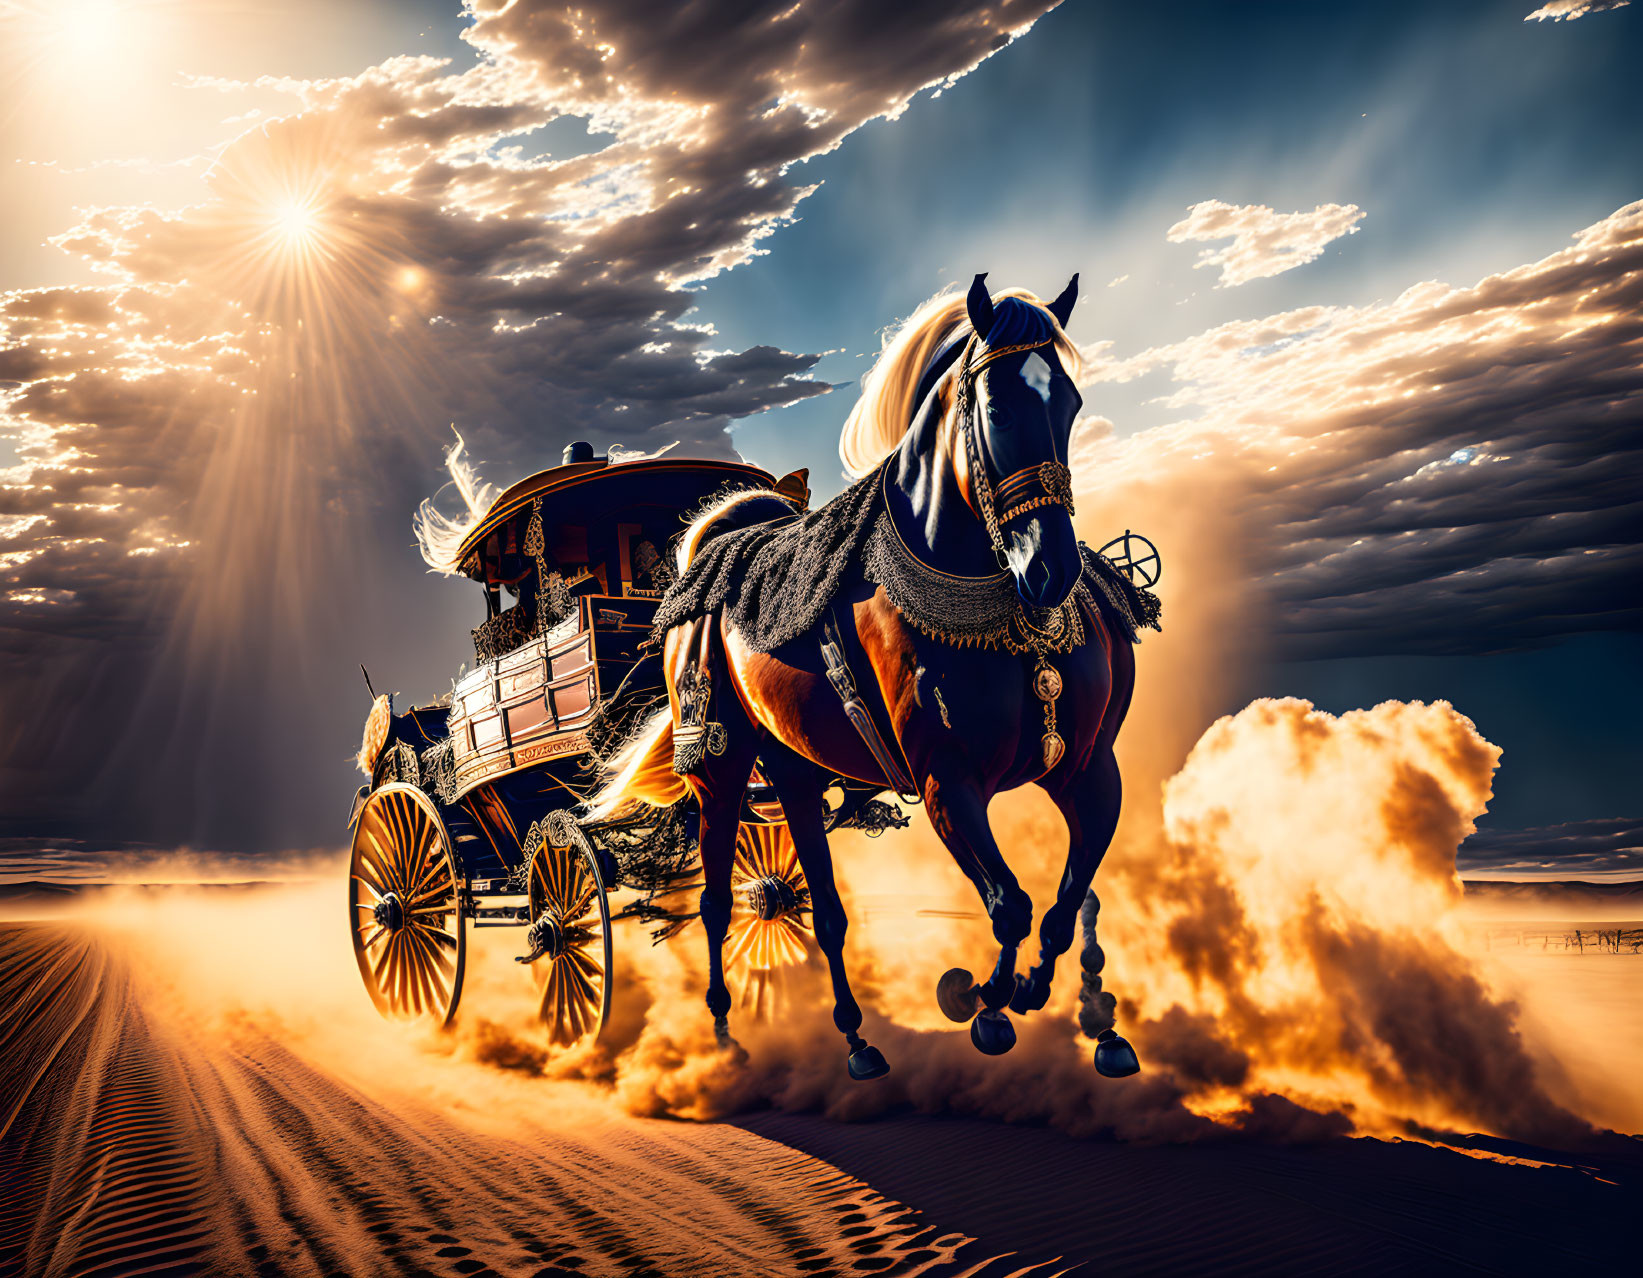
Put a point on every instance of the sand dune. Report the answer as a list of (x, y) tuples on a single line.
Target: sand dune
[(141, 1135), (127, 1150)]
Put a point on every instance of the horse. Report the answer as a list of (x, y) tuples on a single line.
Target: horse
[(963, 425)]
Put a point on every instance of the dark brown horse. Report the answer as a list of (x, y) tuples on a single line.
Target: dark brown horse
[(970, 630)]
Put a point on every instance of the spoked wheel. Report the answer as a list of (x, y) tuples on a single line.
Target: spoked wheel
[(569, 937), (404, 906), (770, 925)]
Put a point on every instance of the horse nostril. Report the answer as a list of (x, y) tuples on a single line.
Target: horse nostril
[(1041, 582)]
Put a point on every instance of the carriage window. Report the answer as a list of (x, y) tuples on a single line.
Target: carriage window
[(568, 544)]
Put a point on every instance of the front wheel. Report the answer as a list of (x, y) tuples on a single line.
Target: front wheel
[(404, 906)]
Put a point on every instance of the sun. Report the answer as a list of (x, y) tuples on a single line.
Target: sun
[(71, 37), (296, 222)]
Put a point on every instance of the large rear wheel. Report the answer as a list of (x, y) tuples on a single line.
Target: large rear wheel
[(770, 926), (570, 932), (404, 906)]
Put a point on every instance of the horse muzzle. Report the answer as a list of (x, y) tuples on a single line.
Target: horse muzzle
[(1044, 574)]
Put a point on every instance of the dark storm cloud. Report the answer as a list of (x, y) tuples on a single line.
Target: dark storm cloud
[(1606, 845), (1458, 470), (208, 440)]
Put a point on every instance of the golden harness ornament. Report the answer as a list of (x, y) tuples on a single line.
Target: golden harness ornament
[(1053, 477)]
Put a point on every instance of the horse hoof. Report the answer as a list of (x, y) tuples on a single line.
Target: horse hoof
[(957, 995), (867, 1063), (1028, 997), (1114, 1057), (992, 1033)]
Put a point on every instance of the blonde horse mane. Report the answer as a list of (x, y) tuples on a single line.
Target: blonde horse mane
[(886, 408)]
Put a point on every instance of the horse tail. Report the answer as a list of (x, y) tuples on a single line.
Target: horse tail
[(739, 509), (640, 774)]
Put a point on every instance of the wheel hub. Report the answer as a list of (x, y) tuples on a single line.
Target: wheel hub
[(546, 937), (771, 897), (390, 912)]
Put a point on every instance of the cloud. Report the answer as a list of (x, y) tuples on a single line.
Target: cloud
[(1604, 846), (1456, 470), (1264, 243), (1569, 10), (206, 435)]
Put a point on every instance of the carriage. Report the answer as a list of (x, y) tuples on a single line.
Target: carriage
[(470, 818)]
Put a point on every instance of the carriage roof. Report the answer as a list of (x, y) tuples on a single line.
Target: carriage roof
[(595, 492)]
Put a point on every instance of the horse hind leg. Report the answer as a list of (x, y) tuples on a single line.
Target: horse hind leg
[(799, 785), (718, 784)]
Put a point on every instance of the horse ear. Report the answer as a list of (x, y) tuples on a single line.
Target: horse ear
[(1062, 307), (980, 305)]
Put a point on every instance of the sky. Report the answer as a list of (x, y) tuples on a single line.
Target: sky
[(1369, 273)]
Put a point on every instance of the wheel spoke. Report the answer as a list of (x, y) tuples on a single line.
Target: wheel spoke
[(400, 818), (556, 886), (402, 961), (388, 971), (435, 874), (424, 971), (417, 860), (548, 1011), (439, 890), (579, 907), (438, 958), (580, 994), (384, 861), (743, 934), (402, 970), (590, 979), (419, 973), (574, 901)]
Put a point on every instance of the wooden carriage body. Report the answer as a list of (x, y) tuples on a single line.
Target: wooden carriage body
[(605, 533), (482, 793)]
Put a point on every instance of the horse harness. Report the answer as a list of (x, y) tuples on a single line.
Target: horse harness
[(897, 768)]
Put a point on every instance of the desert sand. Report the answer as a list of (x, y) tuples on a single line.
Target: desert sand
[(180, 1094)]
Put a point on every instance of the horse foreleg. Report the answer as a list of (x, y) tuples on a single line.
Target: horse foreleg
[(799, 785), (1090, 802), (959, 814)]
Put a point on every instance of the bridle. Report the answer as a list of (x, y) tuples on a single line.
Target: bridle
[(1048, 483)]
